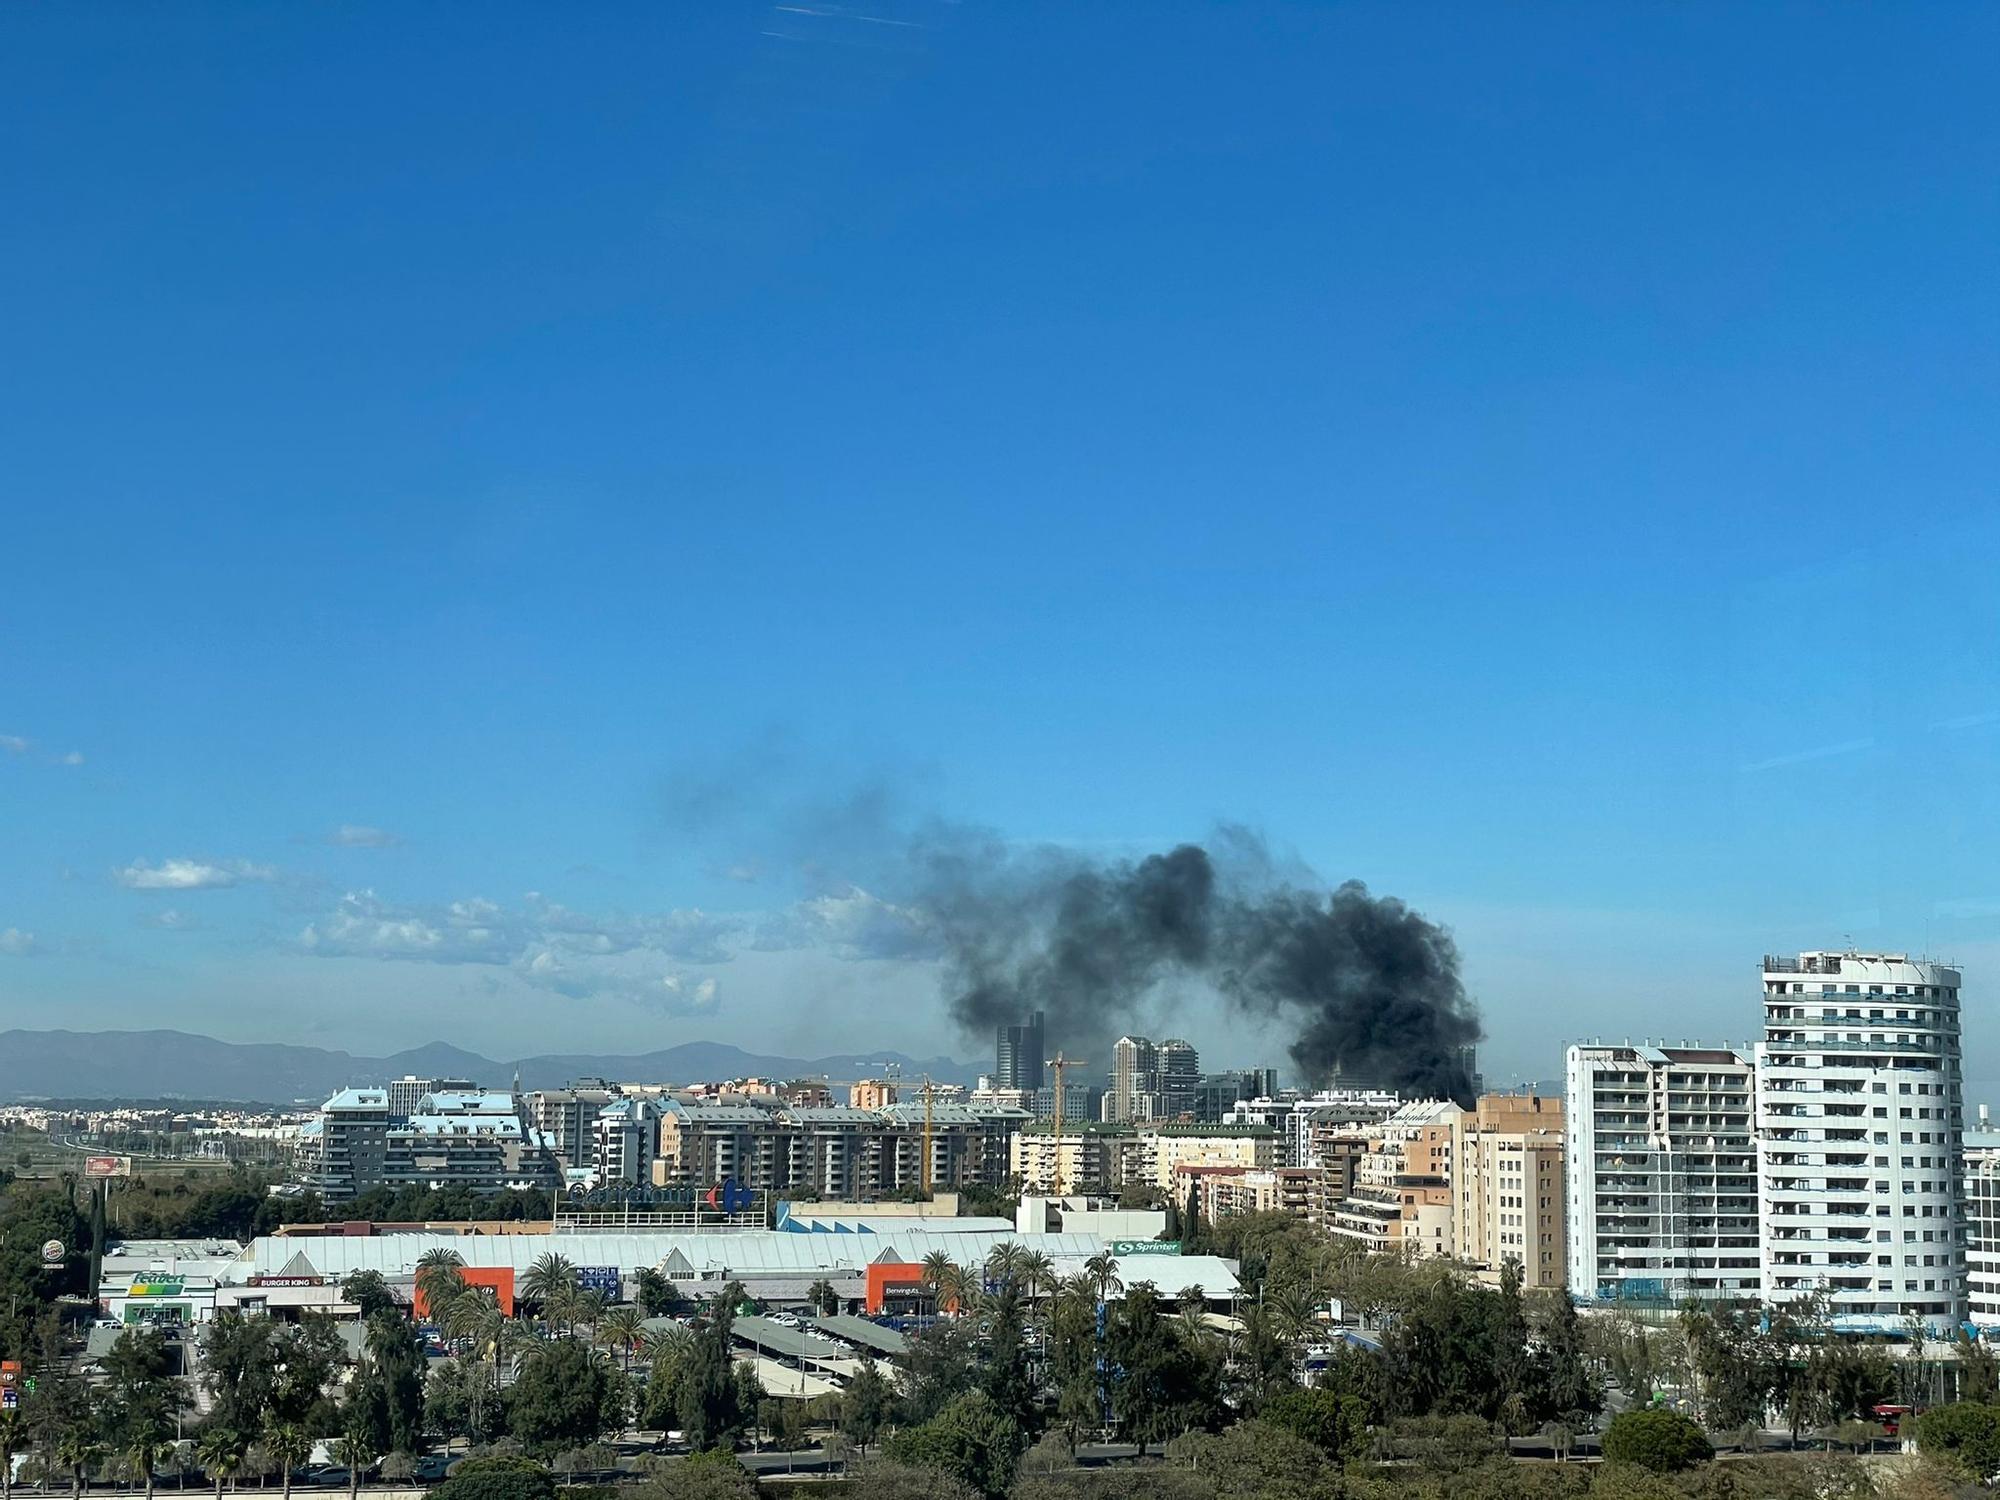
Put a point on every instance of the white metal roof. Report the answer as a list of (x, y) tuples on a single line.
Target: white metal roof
[(723, 1253)]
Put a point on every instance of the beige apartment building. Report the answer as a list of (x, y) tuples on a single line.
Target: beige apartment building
[(1506, 1175), (871, 1093), (1400, 1202), (1221, 1191), (1107, 1157)]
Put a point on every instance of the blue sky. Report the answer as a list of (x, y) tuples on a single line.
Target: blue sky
[(1538, 461)]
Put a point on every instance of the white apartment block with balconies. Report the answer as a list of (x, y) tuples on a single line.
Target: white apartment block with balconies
[(1660, 1174), (1982, 1223), (1859, 1138)]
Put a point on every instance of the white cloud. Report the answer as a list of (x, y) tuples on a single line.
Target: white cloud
[(361, 836), (697, 997), (170, 919), (18, 944), (73, 758), (587, 957), (852, 924), (15, 744), (191, 875)]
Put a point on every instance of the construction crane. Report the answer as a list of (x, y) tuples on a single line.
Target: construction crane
[(924, 1172), (1059, 1065)]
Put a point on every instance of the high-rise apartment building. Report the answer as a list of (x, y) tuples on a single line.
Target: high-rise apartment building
[(1507, 1187), (1982, 1224), (406, 1093), (1859, 1144), (625, 1141), (457, 1138), (1217, 1093), (1135, 1074), (1178, 1079), (568, 1117), (1020, 1055), (1660, 1170)]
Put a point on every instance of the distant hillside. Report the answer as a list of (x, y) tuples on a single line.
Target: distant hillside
[(177, 1064)]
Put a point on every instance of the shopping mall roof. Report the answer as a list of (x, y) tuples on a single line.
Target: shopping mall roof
[(1169, 1274), (715, 1255), (794, 1219)]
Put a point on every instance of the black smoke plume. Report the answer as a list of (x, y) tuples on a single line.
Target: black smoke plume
[(1369, 988)]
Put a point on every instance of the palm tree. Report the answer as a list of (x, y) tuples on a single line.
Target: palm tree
[(355, 1449), (934, 1266), (1004, 1263), (666, 1344), (1102, 1269), (289, 1447), (11, 1431), (1191, 1299), (145, 1455), (621, 1327), (221, 1452), (1038, 1274), (1077, 1290), (954, 1289), (823, 1298), (441, 1281), (77, 1450), (1293, 1316), (550, 1274)]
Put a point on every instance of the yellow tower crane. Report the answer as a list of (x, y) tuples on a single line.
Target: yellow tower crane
[(924, 1171), (1060, 1064)]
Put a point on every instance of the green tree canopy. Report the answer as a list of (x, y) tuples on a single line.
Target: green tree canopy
[(1664, 1442), (1965, 1435), (971, 1440), (502, 1477), (566, 1396)]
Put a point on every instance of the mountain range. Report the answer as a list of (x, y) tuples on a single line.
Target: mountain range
[(180, 1065)]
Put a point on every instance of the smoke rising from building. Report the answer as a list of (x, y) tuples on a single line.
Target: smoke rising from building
[(1369, 989)]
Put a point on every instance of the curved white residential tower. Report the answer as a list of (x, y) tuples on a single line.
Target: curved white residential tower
[(1858, 1101)]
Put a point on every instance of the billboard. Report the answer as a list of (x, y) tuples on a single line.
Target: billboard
[(107, 1166), (603, 1280)]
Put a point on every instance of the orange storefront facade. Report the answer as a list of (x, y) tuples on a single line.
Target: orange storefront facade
[(500, 1278)]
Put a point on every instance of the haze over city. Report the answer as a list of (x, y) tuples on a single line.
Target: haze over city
[(519, 552)]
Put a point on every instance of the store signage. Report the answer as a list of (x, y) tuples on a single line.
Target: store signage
[(107, 1166), (52, 1252), (162, 1286), (288, 1281), (604, 1280), (1145, 1247)]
